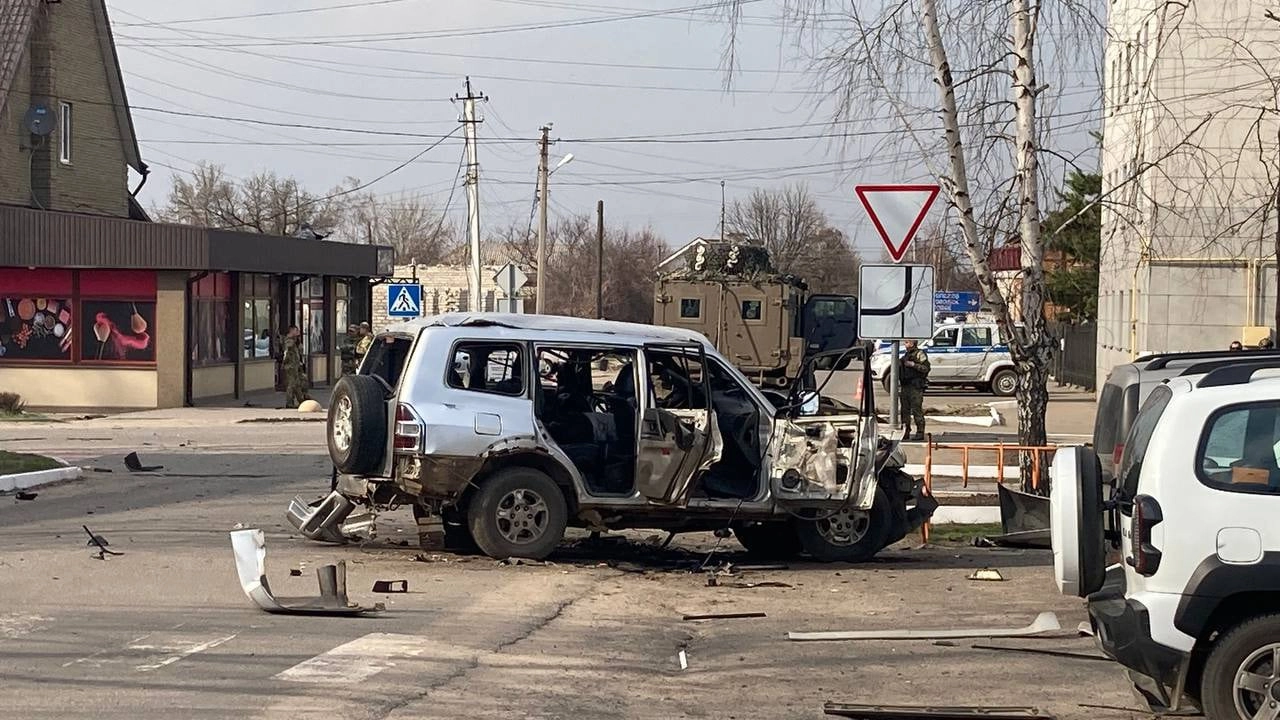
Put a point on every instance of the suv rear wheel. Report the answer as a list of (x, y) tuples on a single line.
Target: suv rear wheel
[(518, 512), (357, 426), (1004, 383), (769, 540), (847, 535), (1242, 677)]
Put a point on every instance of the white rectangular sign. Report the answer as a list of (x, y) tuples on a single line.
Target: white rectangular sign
[(895, 302)]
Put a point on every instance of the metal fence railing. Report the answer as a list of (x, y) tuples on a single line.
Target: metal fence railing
[(1075, 361)]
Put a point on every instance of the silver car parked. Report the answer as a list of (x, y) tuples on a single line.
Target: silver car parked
[(509, 428)]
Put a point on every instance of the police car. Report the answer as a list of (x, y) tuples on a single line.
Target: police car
[(961, 353)]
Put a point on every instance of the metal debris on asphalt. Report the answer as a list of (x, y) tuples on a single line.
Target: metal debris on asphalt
[(295, 572), (1044, 622), (929, 712), (134, 464), (987, 575), (713, 581), (391, 586), (726, 616), (24, 495), (684, 660), (1042, 651), (99, 542), (250, 550)]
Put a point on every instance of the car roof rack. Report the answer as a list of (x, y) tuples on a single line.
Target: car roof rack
[(1234, 374), (1206, 366), (1161, 360)]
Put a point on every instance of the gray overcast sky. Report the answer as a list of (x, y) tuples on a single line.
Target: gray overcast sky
[(609, 70)]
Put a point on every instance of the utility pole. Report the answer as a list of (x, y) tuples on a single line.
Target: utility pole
[(600, 260), (543, 198), (469, 125), (721, 211)]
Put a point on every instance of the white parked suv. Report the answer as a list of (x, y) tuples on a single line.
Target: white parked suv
[(1193, 607)]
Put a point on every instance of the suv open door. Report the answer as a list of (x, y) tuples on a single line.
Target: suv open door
[(678, 435)]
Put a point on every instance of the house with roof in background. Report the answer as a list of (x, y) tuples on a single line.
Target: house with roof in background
[(102, 309)]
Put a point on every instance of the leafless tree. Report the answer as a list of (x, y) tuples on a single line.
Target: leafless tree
[(630, 260), (261, 203), (418, 231), (982, 59), (800, 238)]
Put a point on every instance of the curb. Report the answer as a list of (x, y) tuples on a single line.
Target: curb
[(26, 481), (965, 515)]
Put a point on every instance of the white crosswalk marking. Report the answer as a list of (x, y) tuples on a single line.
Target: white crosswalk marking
[(357, 660), (176, 651), (14, 625)]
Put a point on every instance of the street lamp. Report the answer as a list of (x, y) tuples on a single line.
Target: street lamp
[(544, 196)]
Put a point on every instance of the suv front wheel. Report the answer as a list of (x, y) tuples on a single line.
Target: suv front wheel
[(847, 535), (518, 512), (1242, 676)]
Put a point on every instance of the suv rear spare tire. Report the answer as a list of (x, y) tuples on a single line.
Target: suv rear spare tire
[(847, 535), (357, 429), (1076, 522), (517, 512)]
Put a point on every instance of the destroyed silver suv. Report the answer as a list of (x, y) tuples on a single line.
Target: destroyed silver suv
[(503, 430)]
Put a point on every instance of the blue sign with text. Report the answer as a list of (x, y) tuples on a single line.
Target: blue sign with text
[(956, 302)]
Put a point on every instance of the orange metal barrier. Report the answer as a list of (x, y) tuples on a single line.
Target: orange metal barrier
[(1040, 456)]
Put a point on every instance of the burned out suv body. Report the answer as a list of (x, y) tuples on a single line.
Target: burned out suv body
[(508, 428)]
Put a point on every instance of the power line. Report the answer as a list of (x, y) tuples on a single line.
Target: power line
[(299, 11)]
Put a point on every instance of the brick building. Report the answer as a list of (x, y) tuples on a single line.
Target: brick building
[(101, 308), (446, 288)]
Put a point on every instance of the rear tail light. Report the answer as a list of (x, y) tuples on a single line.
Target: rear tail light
[(408, 429), (1117, 454), (1146, 515)]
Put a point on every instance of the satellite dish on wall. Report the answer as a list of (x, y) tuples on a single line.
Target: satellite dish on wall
[(39, 120)]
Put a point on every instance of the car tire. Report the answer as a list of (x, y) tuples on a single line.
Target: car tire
[(1004, 383), (847, 535), (1076, 522), (769, 540), (357, 427), (884, 382), (518, 512), (1240, 652)]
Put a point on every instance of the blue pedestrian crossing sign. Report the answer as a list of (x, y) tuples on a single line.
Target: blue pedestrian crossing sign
[(404, 300)]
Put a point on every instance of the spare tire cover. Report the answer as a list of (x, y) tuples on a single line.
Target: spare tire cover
[(1076, 518)]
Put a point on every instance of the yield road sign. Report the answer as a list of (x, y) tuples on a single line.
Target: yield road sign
[(895, 302), (956, 302), (897, 211), (404, 300), (510, 279)]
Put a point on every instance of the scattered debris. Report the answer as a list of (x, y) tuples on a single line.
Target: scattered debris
[(295, 572), (928, 712), (726, 616), (1085, 630), (684, 660), (1041, 651), (944, 643), (99, 542), (628, 567), (100, 469), (983, 542), (321, 520), (238, 526), (987, 575), (249, 547), (713, 581), (759, 568), (391, 586), (520, 561), (134, 464), (1044, 622), (24, 495)]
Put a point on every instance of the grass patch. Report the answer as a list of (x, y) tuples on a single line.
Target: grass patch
[(23, 417), (12, 463), (964, 534)]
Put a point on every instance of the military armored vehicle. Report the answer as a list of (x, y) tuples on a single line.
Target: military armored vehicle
[(763, 321)]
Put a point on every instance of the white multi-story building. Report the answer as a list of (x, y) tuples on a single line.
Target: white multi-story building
[(1191, 167)]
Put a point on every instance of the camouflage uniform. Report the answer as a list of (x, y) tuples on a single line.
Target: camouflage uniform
[(295, 381), (350, 363), (914, 380), (362, 347)]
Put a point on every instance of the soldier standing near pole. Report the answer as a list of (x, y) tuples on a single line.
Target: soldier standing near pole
[(915, 378), (366, 342), (295, 383)]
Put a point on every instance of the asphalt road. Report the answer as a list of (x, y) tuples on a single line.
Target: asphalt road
[(164, 630)]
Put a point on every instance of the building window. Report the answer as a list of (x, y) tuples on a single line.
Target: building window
[(258, 311), (29, 300), (211, 320), (341, 312), (309, 315), (64, 135)]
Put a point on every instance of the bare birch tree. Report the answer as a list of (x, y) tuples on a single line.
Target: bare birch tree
[(981, 58)]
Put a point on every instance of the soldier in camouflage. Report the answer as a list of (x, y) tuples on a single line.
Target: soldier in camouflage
[(914, 378), (365, 342), (295, 379), (349, 361)]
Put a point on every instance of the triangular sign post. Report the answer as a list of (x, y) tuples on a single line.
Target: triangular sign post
[(897, 211)]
